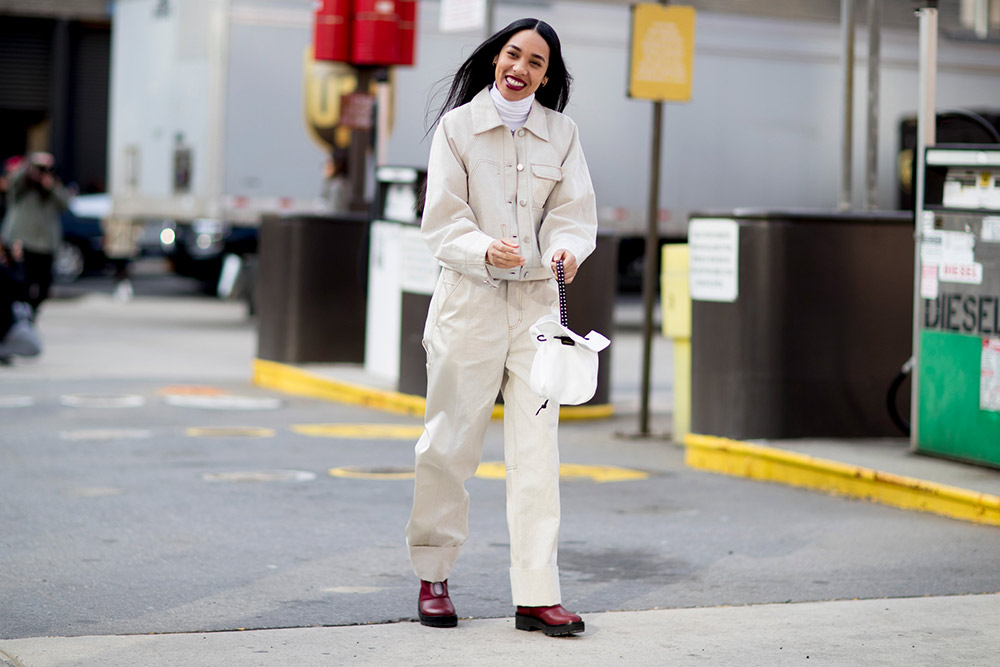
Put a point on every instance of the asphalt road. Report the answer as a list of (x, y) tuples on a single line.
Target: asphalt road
[(159, 516)]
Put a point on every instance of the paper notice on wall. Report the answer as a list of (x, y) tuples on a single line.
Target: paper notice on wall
[(419, 267), (991, 230), (462, 15), (929, 281), (713, 246), (957, 247), (931, 243), (969, 274), (989, 378)]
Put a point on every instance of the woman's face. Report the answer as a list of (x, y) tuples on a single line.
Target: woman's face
[(521, 65)]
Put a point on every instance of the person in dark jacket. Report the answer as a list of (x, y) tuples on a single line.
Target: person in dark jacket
[(35, 200), (18, 335)]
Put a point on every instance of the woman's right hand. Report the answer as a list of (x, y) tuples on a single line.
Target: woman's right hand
[(504, 254)]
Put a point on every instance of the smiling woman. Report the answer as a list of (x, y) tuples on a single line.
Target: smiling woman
[(508, 196)]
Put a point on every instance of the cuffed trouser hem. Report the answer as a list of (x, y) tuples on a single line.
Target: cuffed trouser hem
[(433, 563), (535, 588)]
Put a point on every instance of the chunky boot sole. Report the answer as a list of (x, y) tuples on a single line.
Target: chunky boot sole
[(530, 623), (438, 621)]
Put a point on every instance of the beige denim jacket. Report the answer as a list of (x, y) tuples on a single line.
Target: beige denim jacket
[(486, 183)]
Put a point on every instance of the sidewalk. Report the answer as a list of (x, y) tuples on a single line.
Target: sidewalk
[(953, 631)]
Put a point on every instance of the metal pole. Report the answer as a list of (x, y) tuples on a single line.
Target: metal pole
[(649, 265), (874, 72), (847, 62), (926, 136)]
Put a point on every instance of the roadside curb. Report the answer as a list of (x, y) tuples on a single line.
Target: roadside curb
[(742, 459), (291, 380)]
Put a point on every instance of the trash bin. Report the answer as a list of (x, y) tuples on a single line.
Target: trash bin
[(800, 322), (590, 305), (312, 288)]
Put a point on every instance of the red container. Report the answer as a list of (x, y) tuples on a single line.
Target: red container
[(407, 31), (331, 30), (374, 33)]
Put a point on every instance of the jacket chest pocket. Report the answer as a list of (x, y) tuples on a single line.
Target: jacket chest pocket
[(543, 179)]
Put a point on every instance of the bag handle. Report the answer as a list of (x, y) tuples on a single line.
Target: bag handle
[(561, 280)]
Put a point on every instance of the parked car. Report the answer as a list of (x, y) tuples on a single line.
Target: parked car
[(82, 249), (199, 248)]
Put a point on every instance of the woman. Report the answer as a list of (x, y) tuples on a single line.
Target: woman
[(508, 195)]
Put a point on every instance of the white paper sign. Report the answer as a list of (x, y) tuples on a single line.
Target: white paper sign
[(989, 378), (957, 247), (419, 267), (969, 274), (461, 15), (931, 243), (991, 230), (713, 245), (929, 281)]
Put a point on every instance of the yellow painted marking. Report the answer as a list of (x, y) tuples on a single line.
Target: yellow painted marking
[(361, 431), (351, 589), (741, 459), (497, 470), (189, 390), (291, 380), (229, 431), (355, 472)]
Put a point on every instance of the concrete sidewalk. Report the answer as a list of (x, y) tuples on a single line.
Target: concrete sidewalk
[(952, 631)]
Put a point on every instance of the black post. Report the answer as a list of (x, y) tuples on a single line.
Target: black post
[(650, 264)]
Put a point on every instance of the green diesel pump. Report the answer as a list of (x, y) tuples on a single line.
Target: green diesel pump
[(956, 407)]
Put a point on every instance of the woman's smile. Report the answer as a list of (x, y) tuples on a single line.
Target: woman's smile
[(521, 65)]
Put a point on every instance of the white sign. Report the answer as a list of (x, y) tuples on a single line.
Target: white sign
[(461, 15), (930, 247), (713, 245), (928, 281), (969, 274), (420, 268), (989, 378), (991, 230), (956, 247)]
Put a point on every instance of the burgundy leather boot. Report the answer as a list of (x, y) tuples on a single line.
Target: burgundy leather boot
[(435, 607), (554, 621)]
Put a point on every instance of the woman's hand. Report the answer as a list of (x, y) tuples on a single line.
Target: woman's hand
[(569, 264), (504, 254)]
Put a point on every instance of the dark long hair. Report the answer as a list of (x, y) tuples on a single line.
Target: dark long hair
[(478, 71)]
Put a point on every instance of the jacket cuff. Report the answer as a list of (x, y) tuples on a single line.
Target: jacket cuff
[(476, 264)]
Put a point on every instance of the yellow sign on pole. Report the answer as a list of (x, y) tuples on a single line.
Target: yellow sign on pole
[(662, 54)]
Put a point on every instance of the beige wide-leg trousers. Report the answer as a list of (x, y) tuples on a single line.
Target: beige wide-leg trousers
[(477, 342)]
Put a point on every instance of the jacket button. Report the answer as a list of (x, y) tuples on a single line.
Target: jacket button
[(520, 167), (522, 202)]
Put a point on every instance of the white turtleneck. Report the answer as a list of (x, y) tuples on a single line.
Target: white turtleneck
[(513, 114)]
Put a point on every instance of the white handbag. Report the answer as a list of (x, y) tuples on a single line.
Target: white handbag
[(565, 366)]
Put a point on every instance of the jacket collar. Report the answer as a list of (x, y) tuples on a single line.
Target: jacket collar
[(485, 116)]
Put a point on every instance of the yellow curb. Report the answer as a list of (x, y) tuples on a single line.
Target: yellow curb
[(742, 459), (290, 380)]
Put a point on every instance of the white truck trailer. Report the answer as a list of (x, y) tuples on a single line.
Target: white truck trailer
[(206, 118)]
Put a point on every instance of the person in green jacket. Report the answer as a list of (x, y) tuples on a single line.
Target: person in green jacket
[(35, 199)]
